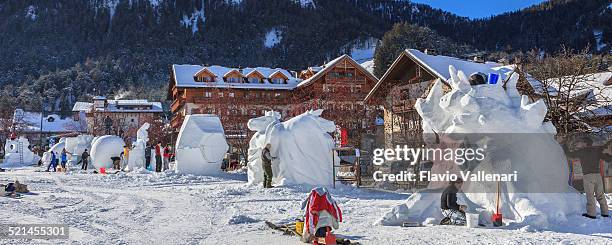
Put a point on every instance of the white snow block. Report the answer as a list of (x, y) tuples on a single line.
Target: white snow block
[(104, 148), (201, 145)]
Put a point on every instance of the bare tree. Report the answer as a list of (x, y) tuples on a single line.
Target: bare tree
[(568, 84)]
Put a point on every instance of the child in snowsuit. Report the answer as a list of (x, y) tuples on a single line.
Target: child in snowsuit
[(266, 161), (454, 213), (590, 157)]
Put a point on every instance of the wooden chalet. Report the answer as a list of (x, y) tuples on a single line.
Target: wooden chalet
[(237, 95), (410, 77), (339, 87)]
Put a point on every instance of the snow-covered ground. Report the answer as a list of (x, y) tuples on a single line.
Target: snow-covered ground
[(166, 208)]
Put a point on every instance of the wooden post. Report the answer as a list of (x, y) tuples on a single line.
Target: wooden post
[(334, 168)]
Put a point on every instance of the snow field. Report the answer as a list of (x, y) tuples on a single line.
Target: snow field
[(142, 207)]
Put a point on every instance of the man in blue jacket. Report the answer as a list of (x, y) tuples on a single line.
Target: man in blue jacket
[(53, 162)]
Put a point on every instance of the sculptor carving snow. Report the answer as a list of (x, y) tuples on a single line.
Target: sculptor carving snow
[(301, 146), (539, 161)]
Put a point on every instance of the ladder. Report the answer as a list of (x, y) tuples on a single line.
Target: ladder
[(20, 152)]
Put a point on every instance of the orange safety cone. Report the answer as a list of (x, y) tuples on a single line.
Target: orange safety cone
[(497, 216)]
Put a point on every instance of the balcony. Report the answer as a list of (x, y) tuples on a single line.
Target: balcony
[(176, 105)]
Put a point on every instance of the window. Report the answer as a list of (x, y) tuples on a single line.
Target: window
[(203, 79), (233, 79), (50, 119), (208, 94), (278, 80), (231, 95), (254, 80), (220, 94), (132, 120), (277, 95)]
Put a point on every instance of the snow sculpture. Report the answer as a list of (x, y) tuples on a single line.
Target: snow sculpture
[(260, 125), (104, 148), (201, 145), (301, 146), (18, 154), (58, 147), (77, 145), (515, 139), (137, 154)]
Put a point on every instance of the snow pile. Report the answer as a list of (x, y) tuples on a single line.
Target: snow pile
[(105, 147), (17, 153), (301, 147), (490, 108), (201, 145), (273, 37)]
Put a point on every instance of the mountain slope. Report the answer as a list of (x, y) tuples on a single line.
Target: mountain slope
[(143, 37)]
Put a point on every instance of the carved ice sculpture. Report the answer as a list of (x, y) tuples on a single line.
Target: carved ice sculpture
[(301, 146), (18, 154), (517, 139), (201, 145)]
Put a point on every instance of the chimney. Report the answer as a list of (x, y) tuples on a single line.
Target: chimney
[(430, 51)]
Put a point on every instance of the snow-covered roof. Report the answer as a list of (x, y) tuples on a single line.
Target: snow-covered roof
[(329, 65), (30, 122), (119, 106), (596, 87), (438, 65), (82, 107), (184, 77), (368, 65)]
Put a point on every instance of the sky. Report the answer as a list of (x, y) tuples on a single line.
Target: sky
[(478, 8)]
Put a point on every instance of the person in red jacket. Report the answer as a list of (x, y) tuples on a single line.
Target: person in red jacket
[(322, 214), (166, 155), (158, 157)]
